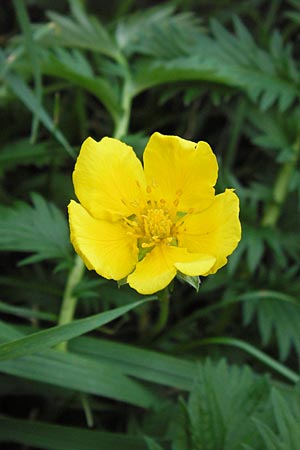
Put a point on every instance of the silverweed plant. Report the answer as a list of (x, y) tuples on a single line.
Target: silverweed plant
[(184, 333)]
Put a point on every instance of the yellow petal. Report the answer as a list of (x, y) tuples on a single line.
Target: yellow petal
[(108, 178), (215, 231), (192, 264), (176, 168), (104, 246), (160, 266), (153, 273)]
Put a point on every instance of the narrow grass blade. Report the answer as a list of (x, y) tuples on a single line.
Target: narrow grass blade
[(48, 436), (41, 340)]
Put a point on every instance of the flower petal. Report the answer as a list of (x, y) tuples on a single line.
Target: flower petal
[(160, 266), (215, 231), (108, 178), (104, 246), (192, 264), (180, 169), (153, 273)]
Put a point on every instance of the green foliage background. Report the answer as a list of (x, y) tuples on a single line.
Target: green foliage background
[(224, 373)]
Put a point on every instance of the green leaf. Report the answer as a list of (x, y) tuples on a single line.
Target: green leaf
[(33, 57), (277, 314), (285, 435), (40, 229), (26, 95), (219, 417), (192, 281), (137, 362), (74, 66), (22, 153), (82, 32), (48, 338), (158, 32), (152, 445), (231, 59), (26, 312), (48, 436), (83, 374)]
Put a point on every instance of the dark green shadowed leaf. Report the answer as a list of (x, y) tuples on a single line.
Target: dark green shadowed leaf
[(69, 371), (285, 433), (152, 445), (24, 93), (278, 314), (48, 436), (40, 229)]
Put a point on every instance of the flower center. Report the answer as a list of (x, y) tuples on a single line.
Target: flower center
[(156, 225), (152, 226)]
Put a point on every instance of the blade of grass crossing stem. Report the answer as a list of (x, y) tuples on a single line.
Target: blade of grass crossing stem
[(53, 336), (48, 436)]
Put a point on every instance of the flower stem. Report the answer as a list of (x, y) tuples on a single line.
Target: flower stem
[(281, 189), (164, 302), (69, 299), (122, 122)]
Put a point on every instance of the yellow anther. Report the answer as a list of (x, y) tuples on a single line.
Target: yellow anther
[(148, 189)]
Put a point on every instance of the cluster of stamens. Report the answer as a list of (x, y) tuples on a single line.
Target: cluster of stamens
[(154, 222)]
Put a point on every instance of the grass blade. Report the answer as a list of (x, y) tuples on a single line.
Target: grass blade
[(41, 340)]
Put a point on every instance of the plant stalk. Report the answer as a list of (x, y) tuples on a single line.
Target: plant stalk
[(69, 299), (281, 189)]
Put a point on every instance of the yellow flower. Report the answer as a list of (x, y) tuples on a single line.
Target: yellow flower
[(148, 224)]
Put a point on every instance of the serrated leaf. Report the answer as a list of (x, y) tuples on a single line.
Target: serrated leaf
[(84, 32), (232, 59), (221, 417), (74, 66), (40, 229), (158, 32), (276, 312), (285, 434)]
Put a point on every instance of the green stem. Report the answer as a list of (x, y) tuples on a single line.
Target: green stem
[(259, 355), (281, 189), (122, 122), (164, 303), (69, 299)]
